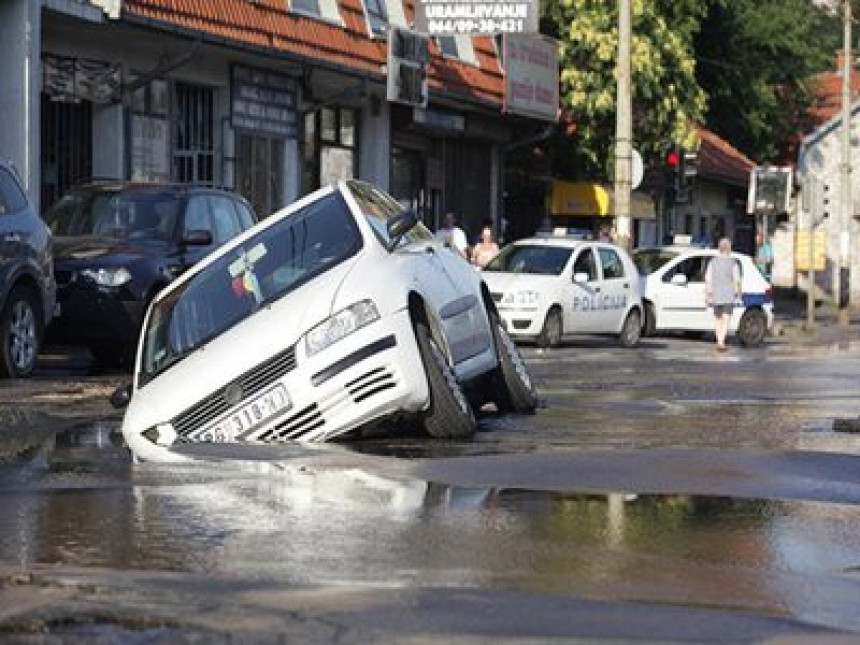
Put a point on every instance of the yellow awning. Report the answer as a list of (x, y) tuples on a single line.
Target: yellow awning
[(580, 198), (589, 199)]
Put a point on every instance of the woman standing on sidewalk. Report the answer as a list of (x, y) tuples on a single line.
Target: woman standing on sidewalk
[(722, 289)]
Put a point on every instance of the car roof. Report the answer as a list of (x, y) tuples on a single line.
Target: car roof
[(120, 185), (561, 242), (690, 250)]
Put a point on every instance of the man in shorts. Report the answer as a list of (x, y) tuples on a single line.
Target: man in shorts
[(722, 289)]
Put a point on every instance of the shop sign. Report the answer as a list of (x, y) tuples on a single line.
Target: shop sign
[(76, 79), (263, 102), (580, 198), (801, 251), (452, 17), (408, 55), (436, 120), (149, 144), (531, 76)]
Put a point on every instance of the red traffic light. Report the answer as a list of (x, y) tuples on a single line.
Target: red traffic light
[(673, 158)]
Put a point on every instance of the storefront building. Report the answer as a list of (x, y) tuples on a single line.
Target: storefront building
[(272, 98)]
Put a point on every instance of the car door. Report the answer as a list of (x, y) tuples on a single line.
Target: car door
[(581, 314), (617, 288), (197, 218), (15, 227), (682, 301)]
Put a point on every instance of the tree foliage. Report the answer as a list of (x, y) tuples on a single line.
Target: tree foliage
[(667, 100), (756, 59)]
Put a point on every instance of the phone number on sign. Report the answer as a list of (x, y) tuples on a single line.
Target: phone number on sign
[(476, 26)]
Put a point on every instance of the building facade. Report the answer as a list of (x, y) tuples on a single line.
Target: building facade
[(273, 98)]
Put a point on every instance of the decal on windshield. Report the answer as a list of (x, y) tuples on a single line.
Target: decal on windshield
[(242, 272)]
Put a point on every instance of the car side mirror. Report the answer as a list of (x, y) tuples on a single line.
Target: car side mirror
[(580, 278), (679, 279), (121, 397), (197, 237), (401, 224)]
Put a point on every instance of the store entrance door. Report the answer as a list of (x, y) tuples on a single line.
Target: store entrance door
[(409, 185)]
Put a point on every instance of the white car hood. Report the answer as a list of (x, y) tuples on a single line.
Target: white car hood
[(243, 347)]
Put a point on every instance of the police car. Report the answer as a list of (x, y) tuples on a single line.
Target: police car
[(337, 312), (548, 288), (673, 292)]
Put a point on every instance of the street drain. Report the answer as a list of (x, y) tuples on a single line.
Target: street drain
[(847, 425)]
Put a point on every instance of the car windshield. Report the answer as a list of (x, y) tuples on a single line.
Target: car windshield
[(530, 258), (649, 260), (144, 214), (251, 275)]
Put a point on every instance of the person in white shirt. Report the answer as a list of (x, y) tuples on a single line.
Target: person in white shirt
[(453, 236)]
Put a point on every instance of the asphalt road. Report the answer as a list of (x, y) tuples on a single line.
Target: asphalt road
[(662, 494)]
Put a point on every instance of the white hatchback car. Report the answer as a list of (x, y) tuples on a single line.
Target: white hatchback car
[(673, 288), (337, 312), (548, 288)]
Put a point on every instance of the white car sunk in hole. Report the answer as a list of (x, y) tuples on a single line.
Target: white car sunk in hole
[(673, 290), (335, 313), (549, 288)]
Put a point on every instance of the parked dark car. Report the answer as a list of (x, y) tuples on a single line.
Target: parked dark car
[(116, 244), (27, 287)]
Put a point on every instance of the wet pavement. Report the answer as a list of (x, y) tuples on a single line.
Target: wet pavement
[(663, 494)]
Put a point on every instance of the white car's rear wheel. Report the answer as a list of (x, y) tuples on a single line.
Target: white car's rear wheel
[(513, 387), (753, 327), (449, 415)]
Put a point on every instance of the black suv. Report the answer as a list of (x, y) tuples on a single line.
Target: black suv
[(27, 288), (116, 244)]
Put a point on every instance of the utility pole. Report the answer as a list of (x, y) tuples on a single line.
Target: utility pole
[(623, 129), (844, 285)]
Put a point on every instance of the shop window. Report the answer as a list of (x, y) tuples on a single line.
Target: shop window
[(330, 147), (194, 134), (377, 18)]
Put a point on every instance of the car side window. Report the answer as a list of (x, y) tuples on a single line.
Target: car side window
[(611, 263), (585, 263), (12, 198), (246, 217), (225, 222), (197, 215), (693, 268)]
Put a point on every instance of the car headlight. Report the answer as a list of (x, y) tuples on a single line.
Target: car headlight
[(521, 298), (108, 277), (340, 325)]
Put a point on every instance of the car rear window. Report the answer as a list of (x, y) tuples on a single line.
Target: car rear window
[(647, 261)]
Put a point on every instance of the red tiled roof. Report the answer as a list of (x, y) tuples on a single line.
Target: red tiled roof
[(268, 24), (718, 159)]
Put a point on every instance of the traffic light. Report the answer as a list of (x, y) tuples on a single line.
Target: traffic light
[(689, 166), (681, 166)]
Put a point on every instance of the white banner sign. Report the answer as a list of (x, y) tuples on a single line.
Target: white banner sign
[(531, 76), (452, 17)]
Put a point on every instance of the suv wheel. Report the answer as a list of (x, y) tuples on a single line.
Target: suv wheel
[(19, 332)]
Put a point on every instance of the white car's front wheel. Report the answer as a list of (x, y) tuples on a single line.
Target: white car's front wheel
[(631, 332), (513, 387), (449, 415)]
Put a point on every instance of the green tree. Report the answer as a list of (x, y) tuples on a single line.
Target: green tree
[(756, 60), (667, 100)]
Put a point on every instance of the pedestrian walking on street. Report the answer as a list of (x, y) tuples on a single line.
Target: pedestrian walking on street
[(453, 236), (722, 289), (486, 249), (763, 255)]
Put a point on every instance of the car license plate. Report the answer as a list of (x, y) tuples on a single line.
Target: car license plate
[(248, 417)]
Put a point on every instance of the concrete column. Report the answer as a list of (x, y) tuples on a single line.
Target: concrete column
[(20, 85), (374, 163), (108, 141)]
